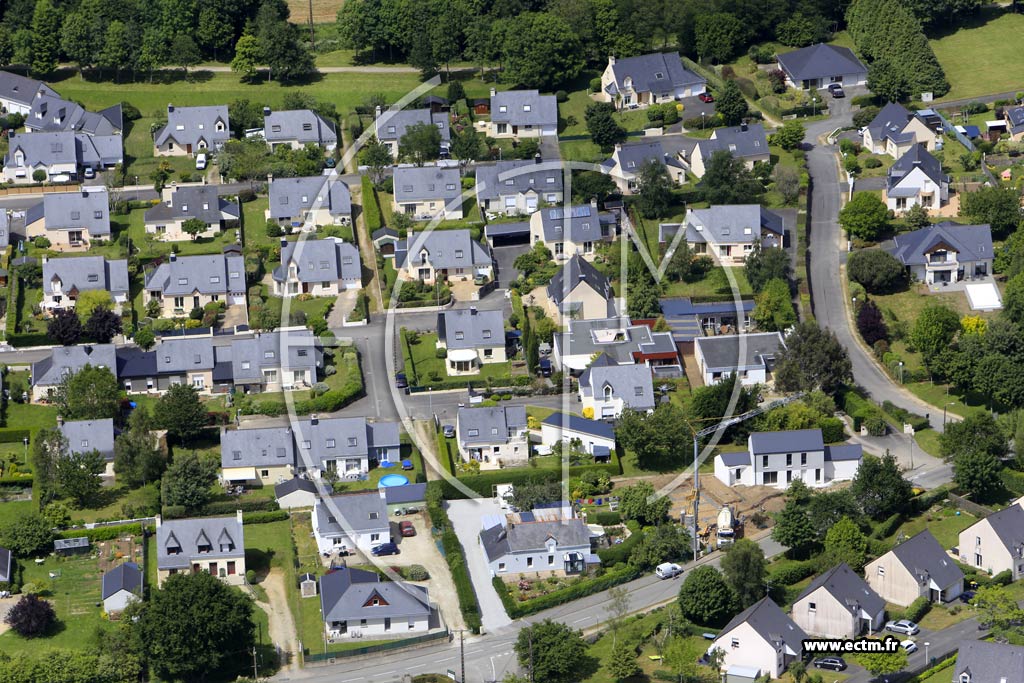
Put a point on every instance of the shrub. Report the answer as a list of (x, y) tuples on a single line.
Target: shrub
[(562, 96), (1003, 578), (889, 526), (130, 112), (975, 108), (371, 209), (581, 588), (792, 573), (621, 552), (608, 518), (872, 162), (265, 517), (832, 429), (246, 196), (879, 272), (876, 426), (41, 242), (250, 576), (917, 609)]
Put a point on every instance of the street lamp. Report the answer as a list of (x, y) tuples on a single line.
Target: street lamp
[(702, 114), (136, 188), (926, 644), (901, 372), (951, 403)]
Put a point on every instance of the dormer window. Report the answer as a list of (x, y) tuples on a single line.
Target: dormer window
[(965, 677), (659, 75), (197, 359), (331, 443), (374, 515), (269, 354), (182, 280), (502, 109), (215, 279), (173, 550), (474, 432), (236, 455), (307, 445)]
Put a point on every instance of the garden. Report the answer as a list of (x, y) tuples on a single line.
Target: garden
[(425, 363)]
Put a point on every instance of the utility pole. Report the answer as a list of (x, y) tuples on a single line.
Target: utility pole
[(312, 37), (462, 655), (255, 671)]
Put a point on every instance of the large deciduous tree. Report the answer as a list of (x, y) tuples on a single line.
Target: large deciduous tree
[(64, 328), (655, 190), (26, 534), (764, 265), (812, 359), (552, 652), (420, 143), (879, 486), (997, 206), (773, 307), (540, 50), (138, 458), (745, 570), (188, 480), (934, 330), (655, 438), (89, 394), (639, 502), (181, 413), (603, 129), (879, 272), (31, 616), (845, 542), (705, 597), (865, 216), (977, 432), (103, 325), (728, 181), (977, 473)]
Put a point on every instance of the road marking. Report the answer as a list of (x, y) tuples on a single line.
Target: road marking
[(579, 620)]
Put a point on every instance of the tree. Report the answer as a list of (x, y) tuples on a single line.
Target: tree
[(745, 570), (78, 475), (420, 143), (89, 394), (763, 265), (376, 155), (787, 182), (638, 502), (552, 652), (705, 597), (48, 447), (790, 136), (604, 130), (812, 359), (799, 30), (541, 51), (1013, 299), (655, 438), (879, 486), (587, 185), (655, 190), (214, 30), (865, 216), (934, 330), (64, 327), (845, 542), (730, 104), (879, 663), (720, 36), (870, 323), (622, 664), (887, 81), (247, 56), (997, 608), (188, 481), (194, 227), (977, 472), (26, 534), (826, 508), (78, 39), (727, 181), (185, 52), (978, 432), (665, 542), (997, 206), (90, 300), (879, 272), (181, 413), (45, 38), (455, 92), (138, 458), (6, 46), (103, 325), (643, 299), (179, 638), (712, 402), (793, 527), (773, 306), (681, 656), (467, 145), (31, 616), (917, 217)]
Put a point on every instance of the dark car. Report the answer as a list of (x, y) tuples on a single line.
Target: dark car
[(449, 431), (836, 91), (966, 596), (407, 529), (705, 97), (384, 549), (833, 663), (401, 382), (544, 365), (331, 162)]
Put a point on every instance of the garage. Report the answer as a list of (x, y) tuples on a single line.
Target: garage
[(507, 234)]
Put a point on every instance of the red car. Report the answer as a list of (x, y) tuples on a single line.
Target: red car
[(705, 97), (406, 529)]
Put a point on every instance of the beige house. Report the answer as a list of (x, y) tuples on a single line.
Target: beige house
[(996, 544), (648, 79), (189, 282), (748, 143), (569, 230), (257, 457), (918, 567), (70, 220), (494, 437), (428, 192), (895, 130), (183, 202), (445, 255), (215, 545), (839, 604), (192, 130), (578, 291), (471, 339), (760, 637)]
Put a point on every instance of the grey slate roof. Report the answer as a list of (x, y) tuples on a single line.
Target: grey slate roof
[(291, 350), (617, 337), (585, 223), (925, 559), (916, 157), (212, 274), (524, 108), (499, 541), (6, 563), (325, 260), (765, 617), (987, 662), (427, 183), (659, 73), (1015, 118), (1008, 524), (972, 242), (790, 441), (303, 125), (21, 89), (347, 594), (445, 249), (633, 155), (88, 435), (847, 588), (224, 536), (723, 352), (890, 122), (740, 223), (176, 355), (85, 210), (631, 383), (820, 61), (568, 421), (290, 197), (50, 113), (63, 359), (124, 577), (352, 437), (189, 125), (490, 425), (468, 328), (292, 485), (391, 125), (359, 512), (735, 458), (410, 493), (505, 178), (194, 201), (262, 447), (846, 451), (84, 273), (740, 143), (52, 148)]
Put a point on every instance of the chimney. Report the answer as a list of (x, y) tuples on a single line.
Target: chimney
[(472, 310), (266, 111), (270, 178), (238, 516), (170, 108), (611, 60), (60, 420), (494, 91), (158, 520), (743, 126), (537, 158), (45, 258), (377, 112), (313, 419), (172, 257), (618, 146), (593, 203)]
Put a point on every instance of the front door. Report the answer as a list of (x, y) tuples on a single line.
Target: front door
[(195, 302), (188, 148)]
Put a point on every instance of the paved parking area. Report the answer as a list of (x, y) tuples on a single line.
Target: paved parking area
[(504, 257)]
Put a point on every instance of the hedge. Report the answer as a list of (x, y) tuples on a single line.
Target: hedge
[(918, 422), (578, 590), (1013, 481), (265, 517), (832, 429), (791, 573), (454, 555), (14, 435), (371, 209), (483, 484), (929, 498), (608, 518), (859, 408), (329, 402), (917, 609), (620, 553), (222, 508), (103, 533), (889, 526), (16, 480)]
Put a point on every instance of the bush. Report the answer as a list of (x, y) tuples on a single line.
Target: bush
[(832, 429), (130, 112), (889, 526), (1003, 578), (876, 425), (621, 552), (872, 162), (608, 518), (371, 209), (595, 84), (975, 107), (250, 576), (879, 272), (103, 533), (562, 96), (918, 422), (917, 609), (265, 517), (246, 196), (792, 573)]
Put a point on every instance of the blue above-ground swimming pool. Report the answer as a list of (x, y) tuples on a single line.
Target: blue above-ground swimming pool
[(389, 480)]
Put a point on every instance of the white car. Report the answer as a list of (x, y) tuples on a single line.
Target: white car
[(668, 570), (200, 161), (909, 645), (904, 626)]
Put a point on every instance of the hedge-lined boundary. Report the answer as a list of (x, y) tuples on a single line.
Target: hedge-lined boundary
[(103, 533), (222, 508), (578, 590), (455, 556), (483, 484), (265, 517), (371, 208), (14, 435)]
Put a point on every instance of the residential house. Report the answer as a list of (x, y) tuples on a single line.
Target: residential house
[(194, 361), (85, 436), (471, 339), (385, 240), (215, 545), (916, 568), (760, 637), (297, 492), (258, 457), (1014, 122), (442, 255), (746, 142), (192, 130), (894, 130), (121, 586), (6, 567), (17, 93), (183, 202), (839, 604), (51, 113), (48, 372), (59, 155), (779, 458), (728, 233), (357, 603), (70, 220), (606, 388), (296, 128), (309, 201), (979, 661), (628, 160), (402, 498), (391, 125), (618, 338), (517, 187), (561, 547), (579, 291), (749, 356), (916, 178), (496, 435), (594, 436), (324, 267), (427, 193), (648, 79), (995, 544), (65, 278), (522, 114), (284, 360), (689, 320), (183, 283), (345, 446), (945, 252), (819, 66), (568, 230), (351, 521)]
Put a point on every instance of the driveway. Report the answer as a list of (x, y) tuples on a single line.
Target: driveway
[(421, 549), (549, 148), (234, 315), (693, 107), (343, 306), (504, 257), (869, 184), (465, 516)]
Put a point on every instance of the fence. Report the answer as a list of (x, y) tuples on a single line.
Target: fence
[(38, 189), (330, 657), (970, 506), (950, 128)]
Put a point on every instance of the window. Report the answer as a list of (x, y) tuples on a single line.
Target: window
[(264, 473), (764, 461), (76, 215), (215, 279), (817, 475), (501, 566), (812, 607), (269, 354), (488, 353), (94, 277), (734, 643), (179, 302), (374, 515), (331, 443), (551, 559), (638, 391), (352, 441), (236, 455), (771, 478), (803, 458), (503, 109), (881, 570), (789, 459), (97, 215), (374, 537), (460, 335), (789, 476), (977, 559), (977, 540), (529, 562), (85, 443), (307, 445)]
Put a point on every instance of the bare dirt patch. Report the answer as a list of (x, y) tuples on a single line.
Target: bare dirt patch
[(324, 11)]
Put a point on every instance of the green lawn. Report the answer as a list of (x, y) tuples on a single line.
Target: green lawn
[(581, 150), (431, 368), (149, 247), (120, 502), (11, 510), (943, 675), (715, 284), (945, 525), (576, 106), (372, 481), (983, 57)]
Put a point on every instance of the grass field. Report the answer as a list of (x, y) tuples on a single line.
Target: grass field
[(715, 284), (428, 365), (983, 57), (945, 525), (324, 11)]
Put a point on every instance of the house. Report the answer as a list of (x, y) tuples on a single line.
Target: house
[(385, 240), (121, 586), (606, 388), (318, 267), (391, 125), (442, 255), (648, 79), (183, 202), (689, 320), (778, 458), (749, 356), (65, 278), (181, 284), (6, 567), (497, 435), (945, 252), (85, 436), (820, 65), (560, 546), (358, 603), (345, 446), (194, 361), (59, 155), (517, 187), (995, 544), (404, 497), (839, 604), (1014, 122), (579, 291), (48, 372), (568, 230), (284, 360), (192, 130), (746, 142), (522, 114), (309, 201), (296, 128), (351, 521), (978, 661), (628, 160), (761, 637), (435, 103), (297, 492), (70, 220), (916, 178), (215, 545), (51, 113), (916, 568), (592, 435), (894, 130), (17, 93), (427, 193), (728, 233), (618, 338), (257, 457), (471, 338)]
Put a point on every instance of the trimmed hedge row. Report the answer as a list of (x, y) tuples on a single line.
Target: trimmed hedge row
[(222, 508), (792, 573), (930, 498), (889, 526), (328, 402), (103, 533), (608, 518), (265, 517), (371, 209), (14, 435), (16, 480), (483, 484), (454, 555), (620, 553), (918, 422), (917, 609), (859, 408), (1013, 481), (578, 590)]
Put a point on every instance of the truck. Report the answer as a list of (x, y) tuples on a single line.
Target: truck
[(726, 530)]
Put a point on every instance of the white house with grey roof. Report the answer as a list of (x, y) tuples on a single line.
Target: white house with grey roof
[(578, 291), (607, 388), (309, 201), (263, 456), (839, 604), (561, 547), (345, 446), (595, 437), (65, 278), (53, 114), (820, 65), (996, 543), (1014, 117), (517, 187), (215, 545), (296, 128), (648, 79), (60, 155), (390, 126), (17, 93), (917, 567), (728, 233), (121, 586), (494, 437), (428, 192), (779, 458), (70, 220), (297, 492), (286, 359), (916, 178), (618, 338), (192, 130), (351, 521), (751, 357), (522, 114), (180, 203), (356, 603), (445, 255), (760, 637), (628, 160), (318, 267), (48, 372), (183, 283), (945, 252), (895, 129), (980, 661), (746, 142), (85, 436), (568, 230), (471, 339)]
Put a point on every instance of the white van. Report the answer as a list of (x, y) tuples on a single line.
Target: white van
[(668, 570), (201, 161)]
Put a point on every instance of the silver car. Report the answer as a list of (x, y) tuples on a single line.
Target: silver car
[(905, 626)]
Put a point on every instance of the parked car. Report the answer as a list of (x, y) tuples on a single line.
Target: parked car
[(201, 162), (331, 162), (706, 97), (905, 626), (833, 663), (384, 549), (668, 570), (407, 529), (544, 365), (89, 173), (401, 382), (966, 596), (836, 91), (448, 431), (909, 645), (479, 279)]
